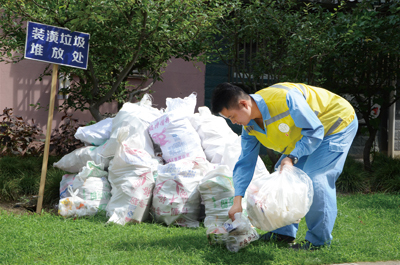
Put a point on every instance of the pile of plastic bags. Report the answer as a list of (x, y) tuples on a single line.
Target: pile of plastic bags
[(161, 164)]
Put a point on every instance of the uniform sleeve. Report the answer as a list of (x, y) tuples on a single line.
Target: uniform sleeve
[(304, 118), (244, 168)]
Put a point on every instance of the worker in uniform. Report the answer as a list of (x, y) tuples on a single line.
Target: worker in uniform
[(311, 127)]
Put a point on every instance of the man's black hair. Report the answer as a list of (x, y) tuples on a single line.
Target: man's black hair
[(226, 95)]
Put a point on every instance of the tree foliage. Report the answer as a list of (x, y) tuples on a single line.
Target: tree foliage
[(271, 41), (365, 62), (352, 50), (124, 36)]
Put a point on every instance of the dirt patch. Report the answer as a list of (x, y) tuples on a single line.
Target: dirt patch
[(17, 208), (13, 207)]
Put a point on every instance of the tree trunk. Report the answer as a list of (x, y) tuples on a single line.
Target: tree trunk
[(367, 149), (95, 111)]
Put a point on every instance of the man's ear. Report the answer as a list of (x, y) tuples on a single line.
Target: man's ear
[(243, 103)]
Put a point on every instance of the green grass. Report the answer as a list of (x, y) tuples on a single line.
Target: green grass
[(20, 176), (367, 229)]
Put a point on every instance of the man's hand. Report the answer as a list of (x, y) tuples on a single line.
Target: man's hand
[(236, 207), (284, 162)]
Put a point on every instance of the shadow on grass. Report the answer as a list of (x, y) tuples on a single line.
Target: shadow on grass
[(99, 218), (187, 244)]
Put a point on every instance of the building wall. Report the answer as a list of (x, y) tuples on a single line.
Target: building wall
[(180, 80), (19, 88)]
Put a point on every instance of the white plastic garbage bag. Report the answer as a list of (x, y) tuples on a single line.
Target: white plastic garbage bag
[(232, 151), (75, 206), (95, 134), (234, 234), (217, 192), (279, 199), (214, 133), (66, 181), (131, 175), (138, 117), (177, 138), (176, 199), (93, 185), (174, 134), (185, 105), (131, 201), (77, 159)]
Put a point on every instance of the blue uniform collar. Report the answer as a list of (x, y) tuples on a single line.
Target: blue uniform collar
[(262, 107)]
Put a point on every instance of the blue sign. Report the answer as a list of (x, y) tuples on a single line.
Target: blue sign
[(56, 45)]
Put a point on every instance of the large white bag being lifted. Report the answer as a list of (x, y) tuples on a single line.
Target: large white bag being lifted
[(279, 199), (176, 199), (217, 193), (131, 178)]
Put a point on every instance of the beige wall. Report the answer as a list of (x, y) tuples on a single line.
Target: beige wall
[(18, 89)]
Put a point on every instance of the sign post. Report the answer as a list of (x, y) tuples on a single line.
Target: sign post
[(59, 46), (54, 79)]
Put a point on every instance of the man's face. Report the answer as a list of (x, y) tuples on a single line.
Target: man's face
[(239, 115)]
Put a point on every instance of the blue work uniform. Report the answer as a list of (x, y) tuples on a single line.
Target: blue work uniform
[(321, 149)]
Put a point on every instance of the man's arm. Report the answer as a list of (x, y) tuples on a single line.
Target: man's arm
[(244, 167), (244, 170)]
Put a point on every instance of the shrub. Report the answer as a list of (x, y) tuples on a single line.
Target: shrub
[(63, 139), (17, 137), (386, 173), (353, 177)]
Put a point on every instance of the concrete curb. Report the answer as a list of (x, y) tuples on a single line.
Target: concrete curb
[(394, 262)]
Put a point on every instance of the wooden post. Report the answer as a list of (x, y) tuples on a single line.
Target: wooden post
[(54, 80)]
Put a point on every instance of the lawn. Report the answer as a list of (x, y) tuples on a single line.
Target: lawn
[(367, 229)]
